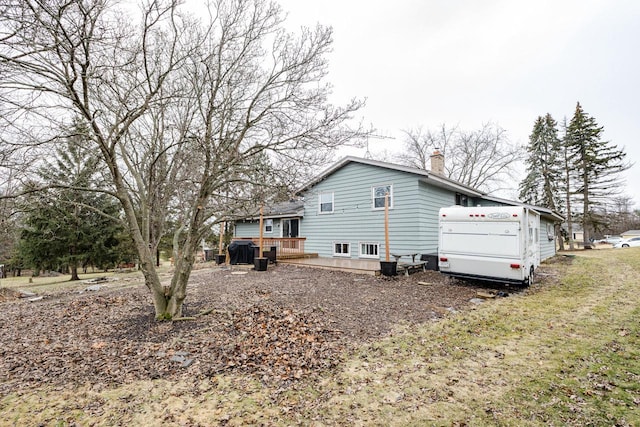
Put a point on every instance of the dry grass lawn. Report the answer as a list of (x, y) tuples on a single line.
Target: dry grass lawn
[(565, 353)]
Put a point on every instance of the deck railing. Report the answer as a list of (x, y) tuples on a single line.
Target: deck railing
[(284, 245)]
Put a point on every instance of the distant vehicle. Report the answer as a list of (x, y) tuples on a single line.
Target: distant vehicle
[(628, 243), (612, 240)]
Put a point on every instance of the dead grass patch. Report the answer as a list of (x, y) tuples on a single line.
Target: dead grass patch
[(566, 352)]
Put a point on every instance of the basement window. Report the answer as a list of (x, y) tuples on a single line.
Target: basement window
[(369, 250), (341, 249)]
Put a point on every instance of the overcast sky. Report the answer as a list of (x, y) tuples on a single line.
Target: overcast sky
[(468, 62)]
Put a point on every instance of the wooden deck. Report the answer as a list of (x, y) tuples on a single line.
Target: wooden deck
[(360, 266), (285, 246)]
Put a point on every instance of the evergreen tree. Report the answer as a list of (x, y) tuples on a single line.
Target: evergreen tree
[(568, 180), (68, 227), (544, 166), (597, 164)]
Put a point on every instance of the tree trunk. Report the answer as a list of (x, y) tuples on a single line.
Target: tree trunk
[(586, 214), (568, 200), (559, 237), (74, 273), (168, 300), (569, 225)]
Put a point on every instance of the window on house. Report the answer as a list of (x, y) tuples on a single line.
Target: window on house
[(550, 232), (379, 193), (341, 249), (369, 250), (268, 226), (326, 202), (462, 200)]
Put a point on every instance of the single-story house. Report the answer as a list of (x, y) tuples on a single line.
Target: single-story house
[(340, 213)]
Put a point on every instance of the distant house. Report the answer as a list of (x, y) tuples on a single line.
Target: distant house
[(577, 236), (341, 214), (630, 233)]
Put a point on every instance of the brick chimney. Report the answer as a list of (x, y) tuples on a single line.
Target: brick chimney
[(437, 162)]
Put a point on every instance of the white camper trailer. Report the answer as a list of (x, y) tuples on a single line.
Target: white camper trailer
[(498, 243)]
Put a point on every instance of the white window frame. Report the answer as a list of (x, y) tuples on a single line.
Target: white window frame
[(373, 197), (324, 193), (551, 232), (365, 255), (268, 223), (341, 254)]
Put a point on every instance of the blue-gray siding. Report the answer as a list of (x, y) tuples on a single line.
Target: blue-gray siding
[(251, 228), (547, 239), (413, 217)]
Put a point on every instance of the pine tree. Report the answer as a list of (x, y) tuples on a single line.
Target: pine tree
[(68, 227), (544, 167), (597, 164)]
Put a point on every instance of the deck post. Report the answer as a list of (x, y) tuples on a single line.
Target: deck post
[(222, 226), (260, 241), (387, 268), (386, 226)]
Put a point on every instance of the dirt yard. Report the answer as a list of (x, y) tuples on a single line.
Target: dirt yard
[(279, 325)]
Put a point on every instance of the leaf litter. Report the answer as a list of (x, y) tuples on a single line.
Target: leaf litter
[(280, 326)]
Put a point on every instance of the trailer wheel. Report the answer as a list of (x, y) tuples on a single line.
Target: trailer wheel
[(529, 280)]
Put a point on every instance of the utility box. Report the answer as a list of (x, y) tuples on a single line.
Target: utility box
[(432, 261)]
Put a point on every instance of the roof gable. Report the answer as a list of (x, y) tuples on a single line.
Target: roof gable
[(424, 175)]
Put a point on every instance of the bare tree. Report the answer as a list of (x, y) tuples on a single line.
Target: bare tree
[(191, 119), (420, 144), (483, 159)]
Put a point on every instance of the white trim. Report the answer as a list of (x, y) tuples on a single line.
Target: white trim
[(341, 254), (266, 221), (333, 207), (373, 196), (369, 256)]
